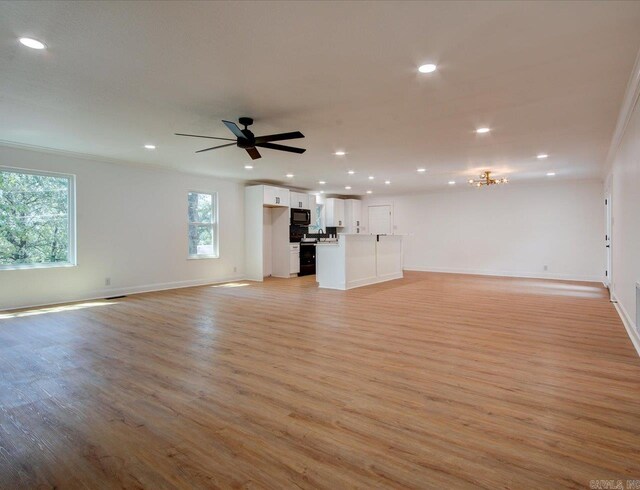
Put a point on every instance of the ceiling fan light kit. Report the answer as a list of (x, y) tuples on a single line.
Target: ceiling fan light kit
[(485, 179), (246, 140)]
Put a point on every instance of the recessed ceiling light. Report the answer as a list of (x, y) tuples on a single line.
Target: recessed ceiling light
[(32, 43), (482, 130), (248, 167), (150, 147), (369, 192), (542, 155), (452, 182), (340, 153), (371, 177), (289, 176), (348, 187), (351, 172), (321, 182), (422, 170), (550, 174), (428, 68), (387, 182)]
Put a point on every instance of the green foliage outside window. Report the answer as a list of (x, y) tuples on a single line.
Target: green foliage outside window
[(34, 219), (201, 213)]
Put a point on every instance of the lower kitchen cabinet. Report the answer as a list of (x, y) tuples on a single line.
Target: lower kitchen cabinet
[(294, 258)]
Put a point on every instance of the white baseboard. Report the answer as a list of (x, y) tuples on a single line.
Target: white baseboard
[(147, 288), (373, 280), (628, 323), (358, 283), (528, 275)]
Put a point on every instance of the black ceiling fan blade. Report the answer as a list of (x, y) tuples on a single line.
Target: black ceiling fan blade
[(215, 147), (253, 153), (233, 127), (281, 147), (198, 136), (279, 137)]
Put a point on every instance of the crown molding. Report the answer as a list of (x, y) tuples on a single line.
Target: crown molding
[(57, 151), (632, 94), (114, 161)]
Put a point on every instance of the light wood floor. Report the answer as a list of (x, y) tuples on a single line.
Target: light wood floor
[(434, 381)]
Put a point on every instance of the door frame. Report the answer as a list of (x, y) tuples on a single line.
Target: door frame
[(608, 239)]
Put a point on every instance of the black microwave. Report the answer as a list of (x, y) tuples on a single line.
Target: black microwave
[(300, 217)]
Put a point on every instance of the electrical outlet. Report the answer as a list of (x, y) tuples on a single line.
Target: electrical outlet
[(107, 281), (546, 267)]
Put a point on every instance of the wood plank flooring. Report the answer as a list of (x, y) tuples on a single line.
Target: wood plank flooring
[(433, 381)]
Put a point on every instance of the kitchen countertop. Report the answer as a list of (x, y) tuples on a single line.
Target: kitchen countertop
[(336, 241)]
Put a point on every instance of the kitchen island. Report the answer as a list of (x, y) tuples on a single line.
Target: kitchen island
[(358, 260)]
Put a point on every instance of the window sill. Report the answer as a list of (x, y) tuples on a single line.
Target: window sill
[(16, 267), (200, 257)]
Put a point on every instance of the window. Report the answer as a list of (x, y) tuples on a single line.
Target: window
[(319, 222), (203, 225), (37, 219)]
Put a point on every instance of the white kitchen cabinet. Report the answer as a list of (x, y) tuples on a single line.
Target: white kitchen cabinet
[(294, 258), (299, 200), (275, 196), (266, 221), (334, 212), (352, 215)]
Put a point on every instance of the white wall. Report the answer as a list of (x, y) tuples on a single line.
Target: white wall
[(131, 227), (512, 230), (625, 189)]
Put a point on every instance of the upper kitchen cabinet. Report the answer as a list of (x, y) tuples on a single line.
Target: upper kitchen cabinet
[(300, 200), (352, 215), (334, 212), (275, 196)]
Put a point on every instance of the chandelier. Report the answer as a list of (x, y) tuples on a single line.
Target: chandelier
[(485, 179)]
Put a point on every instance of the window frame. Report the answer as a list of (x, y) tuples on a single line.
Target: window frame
[(71, 221), (215, 228), (319, 212)]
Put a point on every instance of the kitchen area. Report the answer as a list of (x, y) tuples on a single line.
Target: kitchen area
[(340, 255)]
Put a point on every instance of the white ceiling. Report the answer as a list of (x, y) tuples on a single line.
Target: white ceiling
[(545, 76)]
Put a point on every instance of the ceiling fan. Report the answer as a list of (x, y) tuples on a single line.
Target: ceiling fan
[(245, 139)]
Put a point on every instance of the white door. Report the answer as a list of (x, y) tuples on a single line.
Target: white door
[(380, 220), (607, 239)]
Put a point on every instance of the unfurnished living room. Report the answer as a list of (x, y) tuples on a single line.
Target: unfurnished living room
[(319, 244)]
